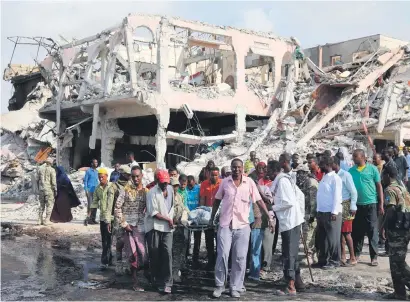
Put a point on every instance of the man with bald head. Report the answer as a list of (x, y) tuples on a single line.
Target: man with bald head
[(366, 178)]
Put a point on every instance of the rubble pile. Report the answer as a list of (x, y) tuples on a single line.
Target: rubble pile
[(204, 92), (384, 103)]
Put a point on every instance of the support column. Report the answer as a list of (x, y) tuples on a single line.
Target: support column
[(162, 56), (240, 85), (278, 72), (96, 118), (110, 132), (240, 122), (162, 115)]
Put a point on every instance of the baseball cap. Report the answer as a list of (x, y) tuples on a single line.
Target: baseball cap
[(124, 169), (163, 176), (174, 181), (102, 171)]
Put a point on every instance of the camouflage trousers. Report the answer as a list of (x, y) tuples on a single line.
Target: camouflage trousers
[(46, 202), (309, 233), (400, 271), (179, 246)]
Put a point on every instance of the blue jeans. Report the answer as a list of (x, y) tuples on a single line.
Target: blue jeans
[(256, 248)]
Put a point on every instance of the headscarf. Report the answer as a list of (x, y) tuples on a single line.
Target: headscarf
[(62, 177)]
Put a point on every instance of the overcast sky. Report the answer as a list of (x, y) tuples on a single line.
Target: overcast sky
[(312, 23)]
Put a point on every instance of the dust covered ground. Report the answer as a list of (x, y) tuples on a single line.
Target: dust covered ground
[(61, 262)]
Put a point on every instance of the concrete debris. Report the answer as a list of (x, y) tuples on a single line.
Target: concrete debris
[(204, 92), (365, 100)]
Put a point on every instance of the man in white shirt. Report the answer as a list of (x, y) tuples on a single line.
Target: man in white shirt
[(131, 159), (329, 215), (288, 209)]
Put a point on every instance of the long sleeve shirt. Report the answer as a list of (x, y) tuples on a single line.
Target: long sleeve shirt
[(329, 194), (103, 198), (349, 191), (47, 180), (286, 205), (130, 206), (158, 204), (91, 180)]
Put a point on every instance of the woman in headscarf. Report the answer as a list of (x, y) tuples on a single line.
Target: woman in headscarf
[(66, 198)]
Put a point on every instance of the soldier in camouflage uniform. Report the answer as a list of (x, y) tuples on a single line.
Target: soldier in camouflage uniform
[(398, 235), (118, 231), (308, 184), (47, 190), (180, 236)]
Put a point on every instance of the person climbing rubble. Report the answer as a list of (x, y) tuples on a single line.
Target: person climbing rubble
[(47, 190)]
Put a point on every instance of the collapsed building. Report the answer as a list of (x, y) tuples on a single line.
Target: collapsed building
[(182, 92)]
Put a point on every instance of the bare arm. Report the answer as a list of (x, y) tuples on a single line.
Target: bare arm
[(381, 197)]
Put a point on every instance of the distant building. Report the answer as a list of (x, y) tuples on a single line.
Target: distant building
[(348, 51)]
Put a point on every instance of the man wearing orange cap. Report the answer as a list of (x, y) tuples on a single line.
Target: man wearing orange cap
[(159, 226), (103, 198)]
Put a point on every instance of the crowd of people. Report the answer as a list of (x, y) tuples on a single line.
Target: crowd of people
[(325, 199)]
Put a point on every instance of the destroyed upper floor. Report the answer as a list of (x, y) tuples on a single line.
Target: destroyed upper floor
[(147, 62), (350, 51)]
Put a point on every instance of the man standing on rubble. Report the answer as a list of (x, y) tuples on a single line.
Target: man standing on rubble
[(131, 159), (130, 212), (104, 199), (402, 166), (124, 178), (308, 184), (90, 183), (313, 164), (398, 233), (250, 163), (207, 194), (236, 193), (349, 208), (47, 189), (366, 179), (289, 209), (159, 225), (329, 215)]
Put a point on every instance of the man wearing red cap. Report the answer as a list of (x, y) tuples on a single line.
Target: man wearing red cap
[(159, 226)]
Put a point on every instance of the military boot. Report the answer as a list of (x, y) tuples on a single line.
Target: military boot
[(47, 220)]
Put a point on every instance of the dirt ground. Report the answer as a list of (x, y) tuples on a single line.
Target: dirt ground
[(61, 262)]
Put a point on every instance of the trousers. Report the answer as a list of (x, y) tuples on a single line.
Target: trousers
[(290, 251), (256, 248), (238, 241), (106, 239), (267, 248), (365, 223), (210, 245), (329, 232), (160, 257), (400, 271), (46, 203), (180, 241)]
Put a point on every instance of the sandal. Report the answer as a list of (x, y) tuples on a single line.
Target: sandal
[(374, 262), (136, 288), (286, 292), (345, 264)]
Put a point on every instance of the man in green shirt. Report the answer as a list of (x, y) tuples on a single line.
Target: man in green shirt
[(366, 178), (103, 198)]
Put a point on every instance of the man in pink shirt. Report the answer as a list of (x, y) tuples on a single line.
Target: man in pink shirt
[(236, 192)]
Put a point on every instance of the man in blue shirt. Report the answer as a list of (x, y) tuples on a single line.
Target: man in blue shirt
[(90, 183), (349, 208), (115, 175), (192, 202)]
